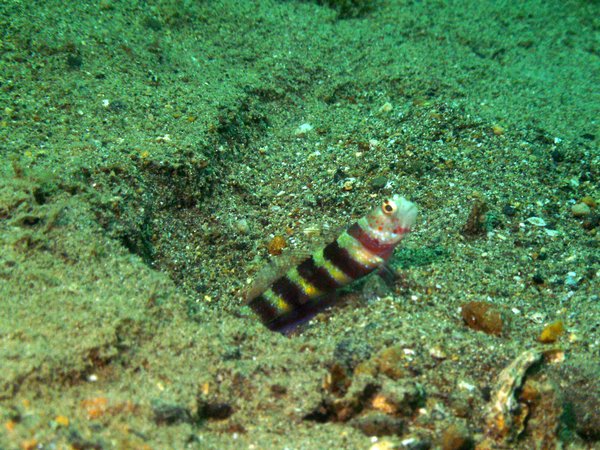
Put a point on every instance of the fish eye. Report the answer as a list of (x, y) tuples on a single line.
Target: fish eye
[(389, 207)]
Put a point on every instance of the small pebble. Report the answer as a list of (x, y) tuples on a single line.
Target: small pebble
[(509, 210), (588, 200), (242, 226), (571, 279), (276, 245), (348, 184), (63, 421), (483, 316), (303, 129), (437, 352), (552, 332), (537, 221), (378, 182), (580, 210), (386, 107)]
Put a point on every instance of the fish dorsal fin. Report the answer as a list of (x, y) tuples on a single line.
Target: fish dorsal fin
[(319, 237), (333, 232), (278, 266), (274, 269)]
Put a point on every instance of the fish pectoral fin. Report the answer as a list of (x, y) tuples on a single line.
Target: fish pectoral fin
[(388, 274)]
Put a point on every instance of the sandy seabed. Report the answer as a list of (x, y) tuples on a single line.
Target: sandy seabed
[(154, 156)]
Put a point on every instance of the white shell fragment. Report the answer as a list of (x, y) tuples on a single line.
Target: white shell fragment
[(537, 221)]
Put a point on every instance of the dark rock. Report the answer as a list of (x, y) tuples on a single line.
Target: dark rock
[(214, 410), (509, 210), (557, 156), (170, 414), (378, 182)]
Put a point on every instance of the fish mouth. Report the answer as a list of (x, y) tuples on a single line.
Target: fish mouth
[(407, 211)]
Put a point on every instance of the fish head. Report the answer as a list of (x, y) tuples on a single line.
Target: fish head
[(391, 220)]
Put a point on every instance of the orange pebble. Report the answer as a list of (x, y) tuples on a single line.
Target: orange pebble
[(62, 420), (29, 444), (95, 407), (276, 245), (589, 201), (552, 331), (10, 425), (483, 316)]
